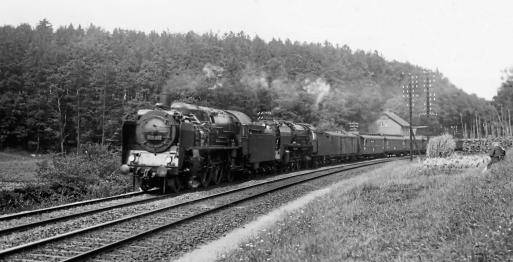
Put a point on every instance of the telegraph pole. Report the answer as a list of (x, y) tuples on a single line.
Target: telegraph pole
[(353, 127), (410, 105), (428, 100), (409, 91)]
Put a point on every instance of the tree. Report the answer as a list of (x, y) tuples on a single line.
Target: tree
[(72, 85)]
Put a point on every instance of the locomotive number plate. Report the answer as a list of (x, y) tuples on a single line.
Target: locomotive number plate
[(152, 137)]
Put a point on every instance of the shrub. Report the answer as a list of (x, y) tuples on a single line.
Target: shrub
[(484, 145), (441, 146), (66, 178), (28, 196), (95, 167)]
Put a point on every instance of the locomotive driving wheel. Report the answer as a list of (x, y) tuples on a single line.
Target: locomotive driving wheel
[(174, 184), (205, 177), (227, 172), (145, 186), (216, 174)]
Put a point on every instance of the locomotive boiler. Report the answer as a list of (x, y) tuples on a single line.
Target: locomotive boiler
[(181, 144)]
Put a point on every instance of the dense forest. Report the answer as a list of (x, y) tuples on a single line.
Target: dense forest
[(64, 87)]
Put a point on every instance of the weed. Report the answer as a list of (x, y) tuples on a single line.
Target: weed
[(395, 214), (441, 146), (65, 178)]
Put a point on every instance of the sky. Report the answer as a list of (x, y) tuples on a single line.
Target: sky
[(470, 42)]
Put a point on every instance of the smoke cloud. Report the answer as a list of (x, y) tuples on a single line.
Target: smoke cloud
[(254, 78), (212, 71), (319, 88)]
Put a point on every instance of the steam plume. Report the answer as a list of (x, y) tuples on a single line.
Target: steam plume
[(320, 88)]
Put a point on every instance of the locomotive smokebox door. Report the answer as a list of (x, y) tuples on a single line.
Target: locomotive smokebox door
[(156, 131)]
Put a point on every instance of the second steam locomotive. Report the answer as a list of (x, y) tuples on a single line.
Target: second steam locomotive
[(178, 145)]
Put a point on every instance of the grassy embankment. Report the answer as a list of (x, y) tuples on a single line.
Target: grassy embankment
[(401, 212), (17, 170), (29, 183)]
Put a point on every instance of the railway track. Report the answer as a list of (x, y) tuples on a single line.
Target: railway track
[(66, 206), (54, 219), (87, 242)]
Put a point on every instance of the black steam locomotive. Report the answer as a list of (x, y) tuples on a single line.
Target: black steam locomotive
[(170, 147)]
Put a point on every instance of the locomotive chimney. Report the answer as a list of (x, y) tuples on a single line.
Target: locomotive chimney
[(165, 99)]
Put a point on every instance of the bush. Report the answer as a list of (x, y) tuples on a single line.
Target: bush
[(95, 167), (441, 146), (29, 196), (484, 145), (66, 178)]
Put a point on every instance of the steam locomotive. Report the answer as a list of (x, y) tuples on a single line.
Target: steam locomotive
[(183, 145)]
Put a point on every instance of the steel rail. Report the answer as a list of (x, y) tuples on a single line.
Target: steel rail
[(78, 214), (70, 205), (36, 243), (83, 213)]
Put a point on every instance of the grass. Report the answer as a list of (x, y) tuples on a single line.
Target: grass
[(17, 170), (398, 213), (453, 164)]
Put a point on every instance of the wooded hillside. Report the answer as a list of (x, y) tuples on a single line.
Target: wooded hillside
[(69, 85)]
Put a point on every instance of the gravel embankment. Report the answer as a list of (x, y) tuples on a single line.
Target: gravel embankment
[(172, 243)]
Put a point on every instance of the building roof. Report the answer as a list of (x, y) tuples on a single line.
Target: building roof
[(396, 118)]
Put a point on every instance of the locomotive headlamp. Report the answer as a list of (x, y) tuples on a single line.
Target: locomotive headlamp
[(125, 169), (133, 158)]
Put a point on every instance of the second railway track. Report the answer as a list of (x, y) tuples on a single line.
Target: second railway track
[(86, 242)]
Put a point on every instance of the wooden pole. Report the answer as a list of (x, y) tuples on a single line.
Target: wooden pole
[(462, 130), (502, 122), (476, 126), (509, 122), (103, 107), (410, 102), (78, 120), (498, 124)]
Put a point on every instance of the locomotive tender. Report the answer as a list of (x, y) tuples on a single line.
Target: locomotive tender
[(171, 146)]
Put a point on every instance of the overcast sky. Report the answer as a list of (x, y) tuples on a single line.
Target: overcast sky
[(469, 41)]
